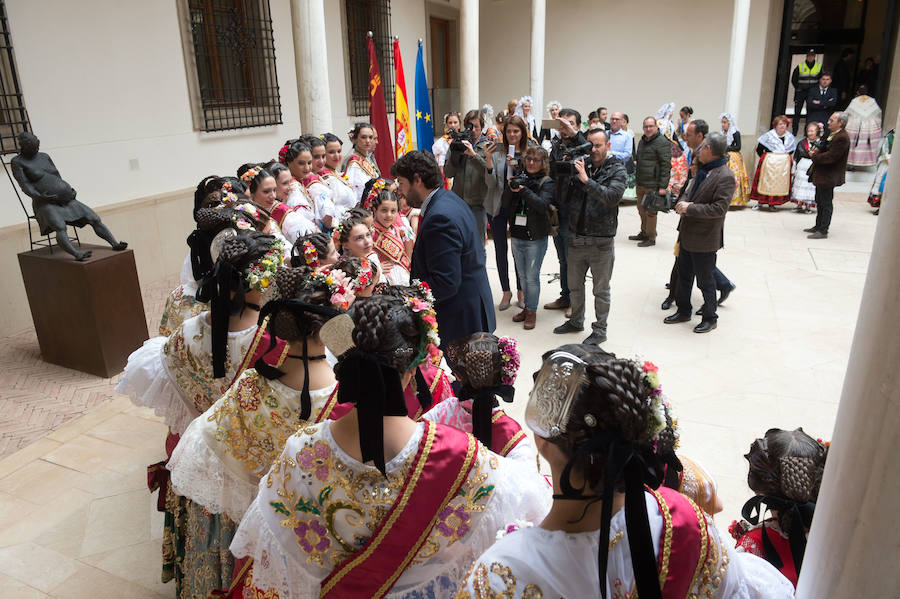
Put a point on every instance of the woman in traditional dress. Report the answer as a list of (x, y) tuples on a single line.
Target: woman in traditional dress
[(342, 193), (263, 187), (318, 208), (678, 172), (732, 135), (864, 129), (802, 190), (182, 303), (596, 421), (223, 454), (358, 167), (392, 241), (180, 377), (524, 111), (785, 473), (353, 237), (663, 118), (772, 180), (685, 116), (884, 160), (315, 185), (485, 368), (491, 131), (375, 504)]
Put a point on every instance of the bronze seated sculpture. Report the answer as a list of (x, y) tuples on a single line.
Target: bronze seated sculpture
[(53, 200)]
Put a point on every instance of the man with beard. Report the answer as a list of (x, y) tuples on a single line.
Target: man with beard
[(449, 254)]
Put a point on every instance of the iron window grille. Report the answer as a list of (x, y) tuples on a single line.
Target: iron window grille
[(364, 16), (234, 50)]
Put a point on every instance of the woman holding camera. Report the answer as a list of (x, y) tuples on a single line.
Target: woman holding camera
[(528, 201), (503, 162)]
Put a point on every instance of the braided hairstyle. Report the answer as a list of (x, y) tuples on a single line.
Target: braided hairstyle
[(318, 239), (245, 250), (475, 360), (209, 191), (615, 395), (386, 328), (786, 464), (258, 179), (294, 283)]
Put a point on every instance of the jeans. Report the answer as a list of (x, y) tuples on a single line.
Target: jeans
[(528, 256), (599, 255), (561, 241), (499, 228), (824, 208), (702, 266)]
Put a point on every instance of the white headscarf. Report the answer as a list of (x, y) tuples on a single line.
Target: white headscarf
[(531, 121), (488, 111), (552, 104), (732, 126), (664, 119), (773, 143)]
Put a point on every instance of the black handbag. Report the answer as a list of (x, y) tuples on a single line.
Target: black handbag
[(654, 202)]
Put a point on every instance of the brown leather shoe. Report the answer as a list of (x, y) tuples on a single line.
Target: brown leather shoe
[(557, 304), (530, 319), (521, 316)]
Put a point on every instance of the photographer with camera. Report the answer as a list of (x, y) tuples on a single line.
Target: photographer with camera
[(654, 162), (504, 161), (593, 208), (466, 165), (528, 198), (564, 150)]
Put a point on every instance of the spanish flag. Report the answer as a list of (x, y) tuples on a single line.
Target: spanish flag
[(402, 130), (384, 151)]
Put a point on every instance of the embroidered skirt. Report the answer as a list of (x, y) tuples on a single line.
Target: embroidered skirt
[(772, 181), (803, 191), (741, 181)]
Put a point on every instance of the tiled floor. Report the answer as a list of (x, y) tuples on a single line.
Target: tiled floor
[(77, 521)]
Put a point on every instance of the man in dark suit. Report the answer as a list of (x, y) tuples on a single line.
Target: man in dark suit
[(701, 231), (449, 254), (829, 166), (821, 100)]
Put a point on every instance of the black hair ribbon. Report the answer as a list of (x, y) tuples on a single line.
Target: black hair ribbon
[(216, 288), (483, 408), (801, 519), (270, 372), (377, 391), (638, 467), (201, 259), (423, 391)]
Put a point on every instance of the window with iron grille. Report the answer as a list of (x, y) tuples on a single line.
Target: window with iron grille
[(235, 84), (364, 16), (13, 116)]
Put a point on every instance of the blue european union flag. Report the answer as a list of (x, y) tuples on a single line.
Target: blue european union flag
[(424, 120)]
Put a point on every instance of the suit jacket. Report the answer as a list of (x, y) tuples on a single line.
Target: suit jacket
[(819, 107), (830, 163), (449, 256), (702, 227)]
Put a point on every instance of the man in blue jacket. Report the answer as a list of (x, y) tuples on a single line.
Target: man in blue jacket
[(449, 254)]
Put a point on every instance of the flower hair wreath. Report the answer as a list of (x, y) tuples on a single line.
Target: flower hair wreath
[(656, 423), (311, 255), (336, 234), (251, 174), (425, 289), (228, 191), (240, 221), (343, 288), (429, 340), (509, 360), (282, 154), (262, 274), (377, 187)]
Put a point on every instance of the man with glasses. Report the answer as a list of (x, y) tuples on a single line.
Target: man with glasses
[(621, 142), (654, 162)]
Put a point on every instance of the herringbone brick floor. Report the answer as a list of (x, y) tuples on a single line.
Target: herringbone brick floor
[(36, 398)]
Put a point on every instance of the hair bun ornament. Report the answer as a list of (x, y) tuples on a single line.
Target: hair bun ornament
[(337, 334), (215, 246), (310, 255), (509, 360), (250, 174), (282, 154)]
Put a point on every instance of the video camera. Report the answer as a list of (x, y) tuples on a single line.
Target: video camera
[(567, 167), (459, 137)]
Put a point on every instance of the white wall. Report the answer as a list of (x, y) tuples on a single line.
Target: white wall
[(104, 83)]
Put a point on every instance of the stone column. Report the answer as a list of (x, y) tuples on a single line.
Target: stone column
[(311, 63), (853, 550), (538, 35), (468, 56), (740, 22)]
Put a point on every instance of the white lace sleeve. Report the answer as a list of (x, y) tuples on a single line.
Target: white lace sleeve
[(147, 383), (295, 224), (187, 271), (200, 475), (747, 576), (273, 566)]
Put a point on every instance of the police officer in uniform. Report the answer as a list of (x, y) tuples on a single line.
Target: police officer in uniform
[(805, 75)]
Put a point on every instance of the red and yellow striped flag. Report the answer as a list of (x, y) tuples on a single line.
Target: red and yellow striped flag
[(402, 129)]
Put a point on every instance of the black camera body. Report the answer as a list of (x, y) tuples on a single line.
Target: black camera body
[(519, 180), (458, 137), (567, 167)]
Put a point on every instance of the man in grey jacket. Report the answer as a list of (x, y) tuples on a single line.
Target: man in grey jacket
[(466, 166), (701, 231), (593, 209), (654, 163)]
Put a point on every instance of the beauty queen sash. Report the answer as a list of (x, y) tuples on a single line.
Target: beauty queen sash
[(388, 244), (364, 164), (505, 433), (439, 469), (279, 212), (684, 545)]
